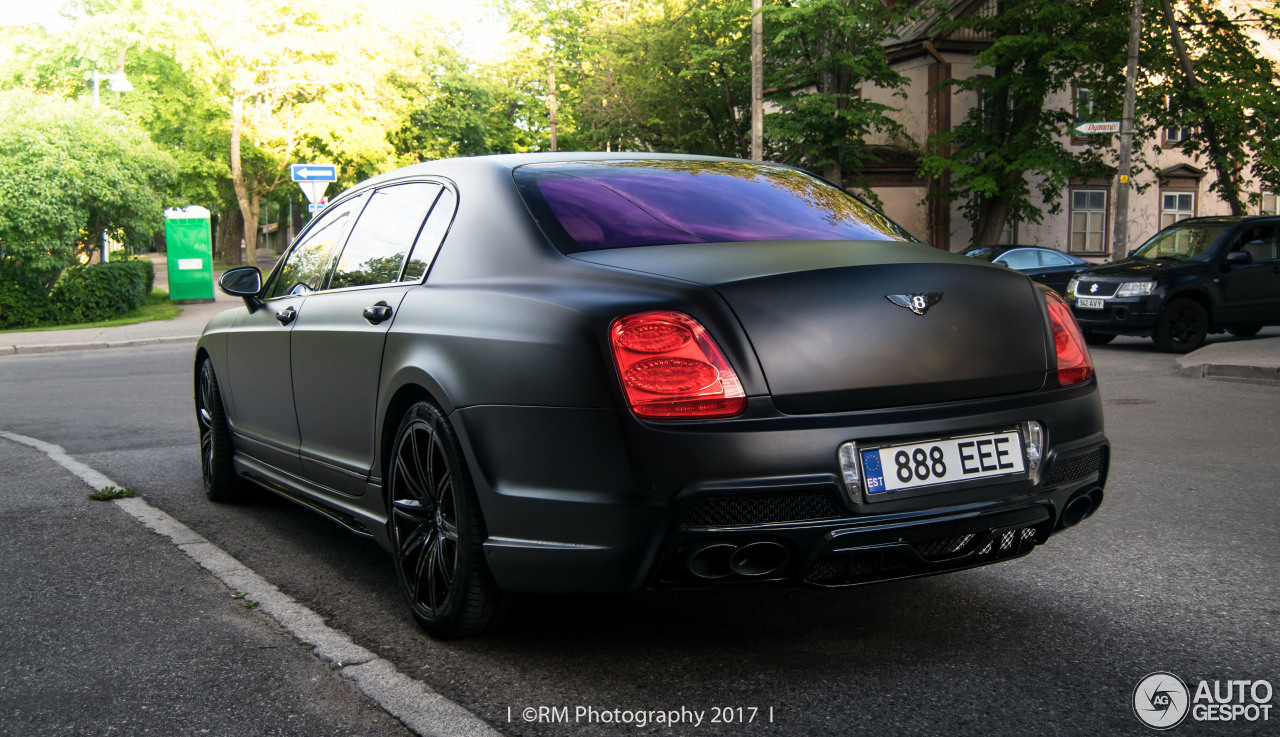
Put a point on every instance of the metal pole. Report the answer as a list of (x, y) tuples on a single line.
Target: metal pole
[(757, 81), (1120, 237), (551, 78), (95, 104)]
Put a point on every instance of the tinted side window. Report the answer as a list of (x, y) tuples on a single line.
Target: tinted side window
[(1054, 259), (433, 232), (383, 235), (1020, 259), (307, 265), (1260, 242)]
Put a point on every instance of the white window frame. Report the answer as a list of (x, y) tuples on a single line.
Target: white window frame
[(1270, 204), (1095, 238), (1170, 215)]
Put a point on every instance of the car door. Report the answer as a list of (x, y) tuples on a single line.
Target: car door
[(1056, 270), (259, 354), (1251, 292), (338, 341)]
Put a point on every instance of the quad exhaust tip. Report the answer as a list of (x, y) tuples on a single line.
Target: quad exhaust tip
[(716, 561)]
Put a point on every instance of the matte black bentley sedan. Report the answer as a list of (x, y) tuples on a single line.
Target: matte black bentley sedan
[(608, 372)]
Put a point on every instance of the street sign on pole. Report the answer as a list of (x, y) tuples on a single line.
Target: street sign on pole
[(313, 179), (313, 172), (315, 207), (1088, 129), (314, 190)]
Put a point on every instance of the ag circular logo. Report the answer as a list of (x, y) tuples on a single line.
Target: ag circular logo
[(1161, 700)]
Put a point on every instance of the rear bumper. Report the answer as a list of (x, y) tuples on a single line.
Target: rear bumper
[(593, 500)]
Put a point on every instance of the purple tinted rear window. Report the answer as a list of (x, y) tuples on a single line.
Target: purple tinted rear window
[(593, 205)]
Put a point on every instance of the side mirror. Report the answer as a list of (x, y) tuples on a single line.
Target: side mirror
[(1239, 258), (244, 282)]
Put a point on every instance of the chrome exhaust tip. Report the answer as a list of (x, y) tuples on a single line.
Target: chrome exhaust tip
[(710, 562), (759, 559)]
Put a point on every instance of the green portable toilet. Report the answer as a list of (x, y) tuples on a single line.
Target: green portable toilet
[(189, 254)]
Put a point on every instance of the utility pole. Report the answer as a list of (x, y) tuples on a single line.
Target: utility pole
[(551, 101), (757, 81), (1120, 233)]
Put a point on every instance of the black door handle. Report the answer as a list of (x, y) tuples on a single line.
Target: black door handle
[(378, 313), (286, 315)]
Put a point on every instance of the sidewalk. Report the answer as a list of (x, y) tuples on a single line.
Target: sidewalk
[(1255, 360), (184, 327), (111, 628)]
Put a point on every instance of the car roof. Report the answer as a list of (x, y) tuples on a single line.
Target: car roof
[(508, 162), (1222, 219)]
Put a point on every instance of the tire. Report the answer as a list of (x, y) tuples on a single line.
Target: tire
[(1099, 338), (1244, 331), (1182, 327), (220, 481), (437, 532)]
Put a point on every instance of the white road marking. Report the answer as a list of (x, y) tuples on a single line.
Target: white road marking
[(414, 703)]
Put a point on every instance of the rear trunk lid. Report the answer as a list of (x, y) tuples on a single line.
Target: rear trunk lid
[(826, 321)]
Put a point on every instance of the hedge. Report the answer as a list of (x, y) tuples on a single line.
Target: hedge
[(81, 294)]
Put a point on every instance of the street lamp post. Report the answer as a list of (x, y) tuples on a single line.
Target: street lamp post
[(117, 83)]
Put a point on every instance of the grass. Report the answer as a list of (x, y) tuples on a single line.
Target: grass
[(157, 307), (109, 493)]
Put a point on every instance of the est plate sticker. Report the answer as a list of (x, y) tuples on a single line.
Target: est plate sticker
[(942, 461)]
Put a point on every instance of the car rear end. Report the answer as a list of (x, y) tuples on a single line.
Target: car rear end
[(830, 412)]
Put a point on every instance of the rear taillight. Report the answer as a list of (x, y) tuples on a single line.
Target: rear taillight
[(671, 368), (1074, 364)]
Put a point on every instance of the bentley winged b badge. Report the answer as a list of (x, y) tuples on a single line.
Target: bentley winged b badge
[(917, 303)]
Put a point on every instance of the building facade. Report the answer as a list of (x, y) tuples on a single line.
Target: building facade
[(1084, 220)]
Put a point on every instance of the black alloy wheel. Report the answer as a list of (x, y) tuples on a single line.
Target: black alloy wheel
[(1182, 327), (436, 530), (220, 481)]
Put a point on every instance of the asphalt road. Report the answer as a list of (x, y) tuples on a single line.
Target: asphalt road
[(1176, 572)]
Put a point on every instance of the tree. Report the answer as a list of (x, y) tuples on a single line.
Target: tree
[(1015, 135), (669, 75), (825, 51), (1206, 72), (68, 174), (302, 78), (456, 108)]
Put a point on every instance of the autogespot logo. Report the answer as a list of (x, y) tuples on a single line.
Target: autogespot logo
[(1161, 700)]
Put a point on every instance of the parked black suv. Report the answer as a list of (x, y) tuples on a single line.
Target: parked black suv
[(1196, 276)]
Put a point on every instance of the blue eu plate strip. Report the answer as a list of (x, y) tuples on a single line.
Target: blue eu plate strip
[(872, 472)]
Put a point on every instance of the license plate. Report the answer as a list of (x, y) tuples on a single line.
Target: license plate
[(1090, 303), (942, 461)]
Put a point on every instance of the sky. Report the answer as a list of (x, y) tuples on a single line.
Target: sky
[(26, 12), (483, 40)]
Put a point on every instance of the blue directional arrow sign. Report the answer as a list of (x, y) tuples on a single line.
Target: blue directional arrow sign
[(313, 172)]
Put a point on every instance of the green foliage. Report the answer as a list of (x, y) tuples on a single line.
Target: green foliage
[(1229, 103), (101, 291), (988, 159), (111, 493), (456, 109), (23, 299), (68, 173), (825, 51), (82, 294), (671, 75)]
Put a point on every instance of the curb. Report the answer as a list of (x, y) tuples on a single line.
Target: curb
[(417, 706), (1268, 375), (8, 350)]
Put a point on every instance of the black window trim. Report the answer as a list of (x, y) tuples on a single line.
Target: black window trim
[(444, 182)]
